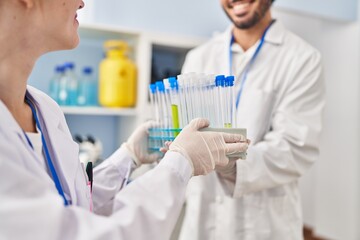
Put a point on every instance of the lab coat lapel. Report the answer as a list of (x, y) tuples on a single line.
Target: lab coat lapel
[(275, 35), (11, 124), (62, 148), (8, 120), (224, 55)]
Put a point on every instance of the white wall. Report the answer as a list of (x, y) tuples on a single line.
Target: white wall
[(331, 189), (333, 9), (188, 17)]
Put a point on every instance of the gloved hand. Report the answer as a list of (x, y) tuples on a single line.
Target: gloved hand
[(137, 144), (229, 170), (205, 150)]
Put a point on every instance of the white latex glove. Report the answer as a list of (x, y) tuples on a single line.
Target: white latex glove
[(205, 150), (230, 168), (138, 147)]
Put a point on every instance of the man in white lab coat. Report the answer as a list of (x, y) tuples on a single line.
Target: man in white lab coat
[(280, 100)]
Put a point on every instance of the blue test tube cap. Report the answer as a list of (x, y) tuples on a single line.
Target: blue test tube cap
[(226, 82), (152, 88), (223, 82), (219, 79), (173, 83), (230, 81), (160, 86)]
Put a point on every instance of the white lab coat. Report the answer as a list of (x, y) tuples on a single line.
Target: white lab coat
[(281, 107), (31, 207)]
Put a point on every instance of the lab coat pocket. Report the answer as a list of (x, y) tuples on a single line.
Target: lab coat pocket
[(83, 189), (243, 217), (254, 113)]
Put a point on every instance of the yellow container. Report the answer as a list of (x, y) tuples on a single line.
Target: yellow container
[(117, 76)]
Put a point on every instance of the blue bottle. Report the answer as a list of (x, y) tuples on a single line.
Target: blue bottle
[(55, 83), (71, 84), (87, 88), (62, 97)]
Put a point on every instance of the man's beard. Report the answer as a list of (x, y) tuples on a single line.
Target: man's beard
[(258, 15)]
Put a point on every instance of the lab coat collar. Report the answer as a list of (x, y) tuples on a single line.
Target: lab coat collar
[(275, 34), (61, 147), (9, 121)]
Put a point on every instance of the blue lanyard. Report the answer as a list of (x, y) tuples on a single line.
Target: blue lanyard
[(252, 60), (47, 154)]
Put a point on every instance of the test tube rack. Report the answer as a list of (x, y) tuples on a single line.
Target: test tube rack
[(158, 137)]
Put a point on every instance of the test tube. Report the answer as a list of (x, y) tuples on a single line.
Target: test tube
[(210, 99), (188, 97), (167, 102), (191, 94), (175, 105), (160, 94), (223, 102), (154, 111), (226, 104), (202, 91), (182, 97), (231, 99), (196, 97), (153, 141), (216, 99), (219, 82), (204, 99)]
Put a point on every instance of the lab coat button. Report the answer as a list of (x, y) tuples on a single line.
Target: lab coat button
[(219, 199)]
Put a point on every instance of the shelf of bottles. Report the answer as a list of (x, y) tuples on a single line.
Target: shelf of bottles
[(100, 111)]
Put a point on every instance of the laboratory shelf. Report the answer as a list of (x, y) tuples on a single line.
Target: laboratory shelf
[(99, 111)]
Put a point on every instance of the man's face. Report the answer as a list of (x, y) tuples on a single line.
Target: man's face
[(245, 13)]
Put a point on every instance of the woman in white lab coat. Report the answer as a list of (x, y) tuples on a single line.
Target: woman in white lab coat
[(44, 191)]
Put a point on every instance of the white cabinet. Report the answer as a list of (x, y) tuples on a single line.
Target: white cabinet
[(112, 125)]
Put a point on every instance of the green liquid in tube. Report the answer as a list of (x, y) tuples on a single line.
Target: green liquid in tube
[(175, 118)]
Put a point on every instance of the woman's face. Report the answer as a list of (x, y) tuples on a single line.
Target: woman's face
[(57, 23)]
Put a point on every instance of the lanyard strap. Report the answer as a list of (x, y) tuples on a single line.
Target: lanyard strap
[(47, 154), (248, 66)]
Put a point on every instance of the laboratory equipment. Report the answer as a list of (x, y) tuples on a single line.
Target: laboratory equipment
[(117, 76)]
